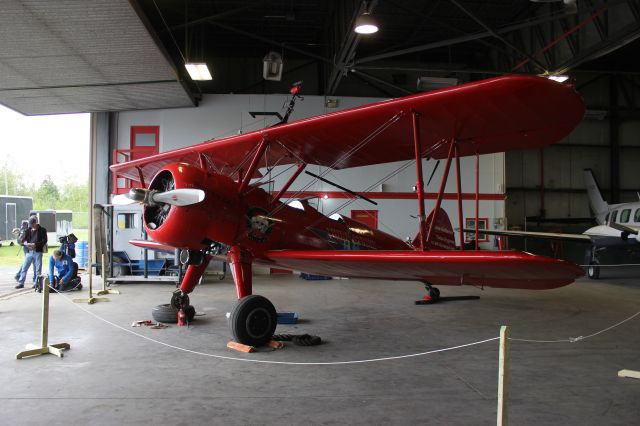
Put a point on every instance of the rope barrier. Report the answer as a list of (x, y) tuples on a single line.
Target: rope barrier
[(579, 338), (230, 358), (362, 361)]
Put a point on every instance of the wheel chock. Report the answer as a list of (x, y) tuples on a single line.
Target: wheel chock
[(275, 344), (240, 347)]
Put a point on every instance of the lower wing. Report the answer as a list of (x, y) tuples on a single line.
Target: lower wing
[(502, 269)]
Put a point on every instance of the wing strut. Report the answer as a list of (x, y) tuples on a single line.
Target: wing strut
[(477, 197), (254, 164), (459, 184), (419, 183), (293, 177)]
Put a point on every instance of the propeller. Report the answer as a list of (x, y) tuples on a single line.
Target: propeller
[(151, 197)]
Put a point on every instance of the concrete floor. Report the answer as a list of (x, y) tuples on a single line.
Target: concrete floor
[(111, 376)]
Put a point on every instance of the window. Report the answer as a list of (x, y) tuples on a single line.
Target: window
[(636, 216), (471, 224), (614, 216), (127, 220), (624, 216)]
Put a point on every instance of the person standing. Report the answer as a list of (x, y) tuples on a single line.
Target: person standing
[(35, 240), (23, 229)]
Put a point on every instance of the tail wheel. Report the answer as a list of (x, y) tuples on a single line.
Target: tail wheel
[(434, 293), (253, 320), (593, 271)]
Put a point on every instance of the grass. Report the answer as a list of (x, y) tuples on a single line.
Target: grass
[(13, 255)]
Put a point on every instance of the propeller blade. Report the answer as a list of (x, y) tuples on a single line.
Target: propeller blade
[(122, 200), (179, 197)]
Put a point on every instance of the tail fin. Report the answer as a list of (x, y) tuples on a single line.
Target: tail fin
[(442, 237), (599, 207)]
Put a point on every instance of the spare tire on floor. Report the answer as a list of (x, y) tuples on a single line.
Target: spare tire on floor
[(168, 314)]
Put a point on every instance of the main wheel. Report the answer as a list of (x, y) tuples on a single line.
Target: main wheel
[(253, 320), (593, 271)]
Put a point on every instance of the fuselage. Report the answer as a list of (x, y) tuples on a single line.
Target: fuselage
[(252, 220)]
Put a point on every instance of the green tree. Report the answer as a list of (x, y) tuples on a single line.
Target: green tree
[(47, 196), (12, 183), (74, 197)]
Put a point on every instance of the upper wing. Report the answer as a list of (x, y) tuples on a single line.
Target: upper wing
[(500, 114), (546, 235), (506, 269)]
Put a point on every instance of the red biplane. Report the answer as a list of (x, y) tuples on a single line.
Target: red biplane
[(200, 198)]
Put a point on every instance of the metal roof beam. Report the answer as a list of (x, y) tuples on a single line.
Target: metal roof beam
[(344, 56), (269, 41), (496, 35)]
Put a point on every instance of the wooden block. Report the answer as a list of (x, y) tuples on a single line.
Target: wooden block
[(240, 347), (275, 344), (629, 373)]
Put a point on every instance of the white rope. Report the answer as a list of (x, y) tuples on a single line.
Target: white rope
[(230, 358), (579, 338)]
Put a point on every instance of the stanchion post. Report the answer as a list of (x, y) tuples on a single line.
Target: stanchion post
[(633, 374), (105, 290), (44, 347), (503, 376)]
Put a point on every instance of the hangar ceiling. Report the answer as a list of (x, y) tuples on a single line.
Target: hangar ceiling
[(110, 55), (78, 56)]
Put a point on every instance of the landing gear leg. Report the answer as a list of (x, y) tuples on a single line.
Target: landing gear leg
[(253, 319), (593, 270)]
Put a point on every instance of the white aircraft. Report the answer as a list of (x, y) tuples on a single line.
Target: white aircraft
[(618, 228)]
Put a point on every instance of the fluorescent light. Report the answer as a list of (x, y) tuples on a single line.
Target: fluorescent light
[(198, 72), (365, 24), (558, 78)]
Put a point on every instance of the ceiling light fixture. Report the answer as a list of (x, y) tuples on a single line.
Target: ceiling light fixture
[(558, 78), (365, 24), (198, 71), (272, 65)]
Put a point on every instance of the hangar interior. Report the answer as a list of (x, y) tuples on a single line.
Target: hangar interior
[(123, 61)]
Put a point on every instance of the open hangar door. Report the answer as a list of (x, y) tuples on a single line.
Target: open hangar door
[(124, 61)]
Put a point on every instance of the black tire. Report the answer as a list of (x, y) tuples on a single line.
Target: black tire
[(253, 320), (169, 315), (434, 293), (120, 270), (593, 271), (165, 313)]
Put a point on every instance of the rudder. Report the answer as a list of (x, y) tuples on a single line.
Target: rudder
[(443, 237)]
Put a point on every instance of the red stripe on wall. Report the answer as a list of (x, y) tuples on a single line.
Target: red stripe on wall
[(394, 195)]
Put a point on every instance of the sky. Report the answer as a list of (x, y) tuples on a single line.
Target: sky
[(37, 146)]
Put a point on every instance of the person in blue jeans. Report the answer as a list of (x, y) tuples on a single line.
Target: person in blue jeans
[(23, 228), (67, 271), (35, 240)]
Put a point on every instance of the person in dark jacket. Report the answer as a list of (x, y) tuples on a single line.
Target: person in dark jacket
[(67, 270), (35, 240)]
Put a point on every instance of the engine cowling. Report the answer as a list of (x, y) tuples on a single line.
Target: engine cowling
[(216, 218)]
